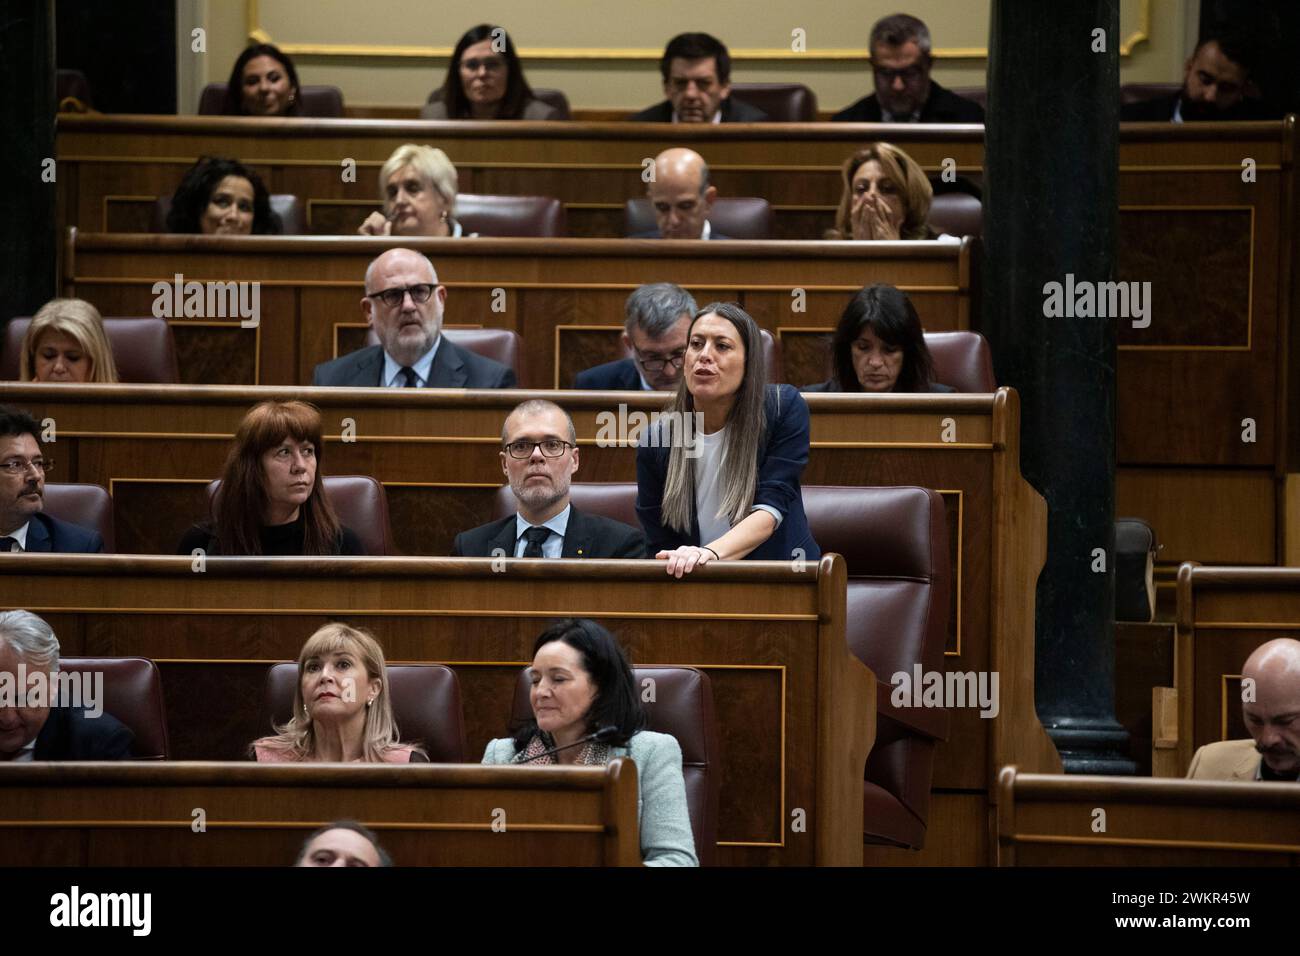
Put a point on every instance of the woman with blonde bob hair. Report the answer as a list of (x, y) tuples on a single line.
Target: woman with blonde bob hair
[(418, 186), (342, 710), (66, 343), (718, 475), (272, 495), (886, 196)]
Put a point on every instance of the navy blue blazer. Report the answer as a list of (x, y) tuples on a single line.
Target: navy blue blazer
[(69, 734), (453, 367), (942, 106), (48, 534), (781, 461), (654, 234), (733, 111), (620, 376)]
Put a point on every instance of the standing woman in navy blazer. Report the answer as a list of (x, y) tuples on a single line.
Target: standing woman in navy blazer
[(718, 475)]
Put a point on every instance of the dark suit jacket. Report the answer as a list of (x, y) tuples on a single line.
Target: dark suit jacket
[(587, 536), (654, 234), (781, 461), (733, 111), (829, 386), (943, 106), (69, 734), (48, 534), (453, 367), (620, 376), (1161, 110)]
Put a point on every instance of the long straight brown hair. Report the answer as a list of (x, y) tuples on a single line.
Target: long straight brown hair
[(241, 500)]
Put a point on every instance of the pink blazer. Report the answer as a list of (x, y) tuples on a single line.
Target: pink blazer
[(396, 755)]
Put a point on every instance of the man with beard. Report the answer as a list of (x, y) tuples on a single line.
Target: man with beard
[(1218, 85), (23, 524), (539, 455), (404, 305), (1271, 708)]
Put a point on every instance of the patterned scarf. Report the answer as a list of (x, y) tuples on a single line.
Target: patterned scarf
[(590, 754)]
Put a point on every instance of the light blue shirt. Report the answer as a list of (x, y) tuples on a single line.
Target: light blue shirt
[(393, 377), (552, 547)]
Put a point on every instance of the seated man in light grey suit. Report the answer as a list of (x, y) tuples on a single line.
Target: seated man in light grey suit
[(404, 305)]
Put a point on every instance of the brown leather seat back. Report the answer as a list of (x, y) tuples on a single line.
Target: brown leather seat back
[(962, 360), (323, 102), (682, 708), (782, 102), (361, 504), (554, 98), (426, 706), (293, 222), (895, 543), (87, 506), (144, 350), (511, 216), (1138, 92), (500, 345), (132, 694), (737, 217), (72, 85), (958, 214)]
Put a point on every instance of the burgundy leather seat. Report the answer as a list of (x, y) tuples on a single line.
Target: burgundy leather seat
[(782, 102), (132, 694), (737, 217), (293, 222), (144, 350), (958, 214), (511, 216), (962, 360), (426, 706), (72, 85), (500, 345), (683, 708), (87, 506), (895, 542), (361, 504), (319, 101), (1138, 92), (554, 98)]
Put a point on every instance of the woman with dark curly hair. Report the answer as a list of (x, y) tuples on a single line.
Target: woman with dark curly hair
[(263, 82), (222, 197), (485, 80)]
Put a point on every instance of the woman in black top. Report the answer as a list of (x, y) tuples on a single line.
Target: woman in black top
[(271, 500)]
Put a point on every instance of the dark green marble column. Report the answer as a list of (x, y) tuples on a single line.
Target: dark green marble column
[(28, 230), (1050, 211)]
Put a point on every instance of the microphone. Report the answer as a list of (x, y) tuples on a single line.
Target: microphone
[(602, 735)]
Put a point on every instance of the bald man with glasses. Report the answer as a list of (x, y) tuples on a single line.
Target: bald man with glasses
[(404, 304)]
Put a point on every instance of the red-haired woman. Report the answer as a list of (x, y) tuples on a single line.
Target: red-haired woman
[(272, 500)]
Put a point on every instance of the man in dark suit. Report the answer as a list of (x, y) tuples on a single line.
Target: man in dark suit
[(901, 62), (681, 196), (404, 304), (540, 455), (658, 318), (34, 725), (23, 526), (696, 69), (1218, 85)]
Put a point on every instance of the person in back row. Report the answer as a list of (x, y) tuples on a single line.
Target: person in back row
[(540, 456), (23, 524), (263, 82), (899, 51), (222, 197), (404, 304), (696, 69), (681, 197), (1271, 709), (1218, 85), (886, 197), (418, 186), (66, 342), (654, 331), (271, 500), (485, 80)]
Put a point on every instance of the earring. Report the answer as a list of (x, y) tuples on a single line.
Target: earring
[(305, 712), (370, 701)]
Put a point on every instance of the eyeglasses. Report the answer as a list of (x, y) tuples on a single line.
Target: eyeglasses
[(393, 297), (551, 448), (909, 75), (676, 360), (490, 65), (19, 466)]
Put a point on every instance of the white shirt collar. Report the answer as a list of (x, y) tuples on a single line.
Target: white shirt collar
[(559, 524), (20, 535), (708, 228), (717, 117), (1178, 111), (423, 366)]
